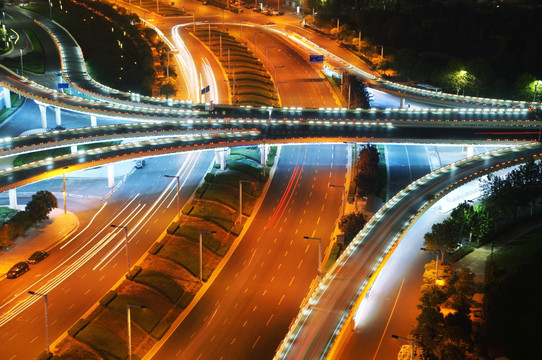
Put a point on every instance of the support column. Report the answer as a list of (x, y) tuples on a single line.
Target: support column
[(43, 113), (73, 149), (220, 158), (93, 120), (57, 116), (110, 175), (7, 98), (402, 104), (470, 151), (12, 198), (264, 153)]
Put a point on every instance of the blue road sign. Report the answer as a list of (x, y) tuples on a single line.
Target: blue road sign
[(63, 85), (205, 90), (316, 58)]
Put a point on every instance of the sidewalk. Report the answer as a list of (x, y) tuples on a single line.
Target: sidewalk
[(42, 236)]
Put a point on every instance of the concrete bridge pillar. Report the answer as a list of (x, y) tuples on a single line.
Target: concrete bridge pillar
[(73, 149), (264, 153), (7, 98), (220, 157), (93, 121), (43, 113), (402, 104), (12, 198), (57, 116), (110, 175), (470, 151)]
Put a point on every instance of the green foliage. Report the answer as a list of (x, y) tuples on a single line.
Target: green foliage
[(172, 228), (215, 213), (6, 213), (192, 233), (146, 318), (41, 204), (181, 257), (351, 225), (161, 283), (443, 237), (104, 341), (185, 300), (368, 175), (77, 327), (209, 177), (107, 298)]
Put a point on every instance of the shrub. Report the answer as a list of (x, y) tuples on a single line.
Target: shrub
[(209, 177), (185, 300), (77, 327), (172, 228), (107, 298), (192, 234), (104, 341), (161, 283), (160, 329), (146, 318), (156, 247), (181, 257)]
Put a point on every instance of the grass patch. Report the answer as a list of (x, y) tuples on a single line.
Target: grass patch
[(33, 61), (104, 341), (161, 283), (184, 259), (215, 213), (333, 255), (192, 234), (6, 213), (146, 318)]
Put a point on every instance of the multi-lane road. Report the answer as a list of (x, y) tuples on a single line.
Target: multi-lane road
[(83, 267)]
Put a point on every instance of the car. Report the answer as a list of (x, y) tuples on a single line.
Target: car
[(37, 256), (17, 270), (139, 164)]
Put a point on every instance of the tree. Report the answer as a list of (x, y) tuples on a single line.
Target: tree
[(167, 89), (368, 176), (443, 237), (351, 225), (41, 204)]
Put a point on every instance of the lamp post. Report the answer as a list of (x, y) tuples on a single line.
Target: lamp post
[(381, 51), (44, 296), (21, 54), (241, 31), (412, 342), (241, 198), (319, 255), (64, 187), (201, 252), (277, 67), (178, 193), (344, 194), (193, 20), (126, 244), (537, 82), (267, 48), (256, 34), (280, 82), (128, 307), (436, 264), (50, 11)]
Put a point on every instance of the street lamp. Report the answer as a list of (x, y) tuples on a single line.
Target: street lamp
[(178, 193), (126, 244), (319, 255), (267, 48), (536, 83), (412, 342), (256, 34), (241, 198), (277, 67), (201, 252), (193, 20), (128, 307), (50, 11), (64, 187), (44, 296), (280, 82), (344, 194), (436, 264), (21, 54)]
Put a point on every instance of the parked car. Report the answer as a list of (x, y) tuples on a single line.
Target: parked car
[(37, 256), (139, 164), (17, 270)]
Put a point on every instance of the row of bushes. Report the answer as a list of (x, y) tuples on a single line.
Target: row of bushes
[(253, 85), (165, 282)]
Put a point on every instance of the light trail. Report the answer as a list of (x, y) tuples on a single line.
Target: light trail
[(186, 64), (213, 94)]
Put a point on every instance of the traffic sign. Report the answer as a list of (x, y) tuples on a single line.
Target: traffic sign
[(63, 85), (316, 58)]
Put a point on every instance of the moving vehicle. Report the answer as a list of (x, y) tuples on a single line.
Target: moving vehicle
[(17, 270), (139, 164), (37, 256)]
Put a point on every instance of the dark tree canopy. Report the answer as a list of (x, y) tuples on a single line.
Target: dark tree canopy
[(350, 225), (367, 177), (41, 204)]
